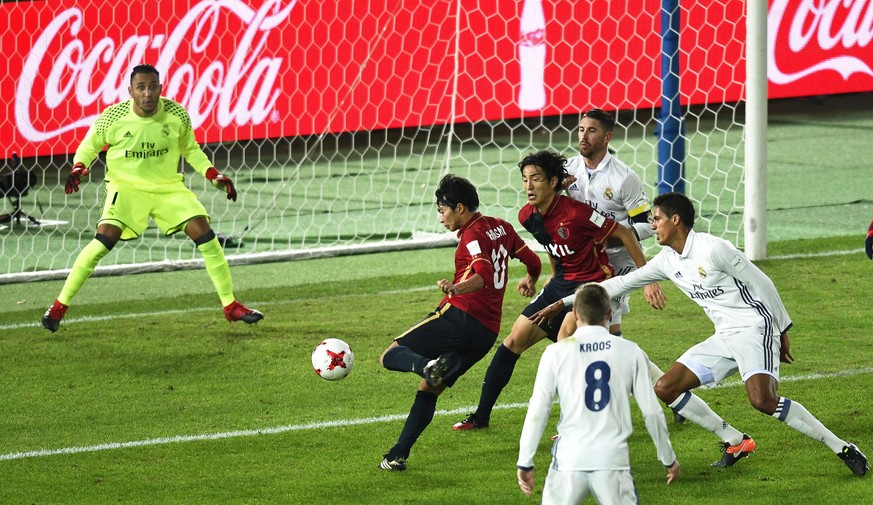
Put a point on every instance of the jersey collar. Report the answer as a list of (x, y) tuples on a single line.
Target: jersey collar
[(552, 205), (477, 216), (689, 242), (590, 331), (600, 166)]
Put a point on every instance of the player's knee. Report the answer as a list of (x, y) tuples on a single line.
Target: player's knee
[(204, 238), (435, 390), (666, 392), (514, 344), (382, 357), (764, 402), (107, 241), (521, 337)]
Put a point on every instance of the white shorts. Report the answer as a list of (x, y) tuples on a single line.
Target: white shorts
[(750, 351), (609, 487), (619, 306)]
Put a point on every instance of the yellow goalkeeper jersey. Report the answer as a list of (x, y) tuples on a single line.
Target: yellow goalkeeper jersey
[(143, 151)]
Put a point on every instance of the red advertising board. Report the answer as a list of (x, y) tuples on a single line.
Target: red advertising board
[(819, 47), (275, 68)]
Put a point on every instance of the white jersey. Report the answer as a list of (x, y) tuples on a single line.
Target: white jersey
[(734, 293), (616, 192), (594, 374)]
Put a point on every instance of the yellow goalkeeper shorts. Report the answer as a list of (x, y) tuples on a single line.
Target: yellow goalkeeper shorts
[(130, 208)]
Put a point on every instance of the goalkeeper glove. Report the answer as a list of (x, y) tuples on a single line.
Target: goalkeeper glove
[(222, 182), (869, 242), (79, 169)]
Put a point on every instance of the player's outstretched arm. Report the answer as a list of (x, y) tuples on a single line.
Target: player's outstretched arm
[(653, 292), (655, 296), (548, 313)]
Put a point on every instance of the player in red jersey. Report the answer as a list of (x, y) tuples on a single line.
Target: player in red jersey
[(575, 236), (463, 328)]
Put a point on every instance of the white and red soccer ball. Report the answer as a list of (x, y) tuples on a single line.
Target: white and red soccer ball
[(333, 359)]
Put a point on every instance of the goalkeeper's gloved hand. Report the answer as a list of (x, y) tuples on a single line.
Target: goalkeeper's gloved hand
[(869, 242), (221, 182), (79, 169)]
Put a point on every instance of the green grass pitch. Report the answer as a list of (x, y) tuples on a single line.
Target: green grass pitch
[(146, 394)]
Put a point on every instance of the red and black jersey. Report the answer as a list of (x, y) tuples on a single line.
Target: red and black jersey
[(486, 244), (574, 235)]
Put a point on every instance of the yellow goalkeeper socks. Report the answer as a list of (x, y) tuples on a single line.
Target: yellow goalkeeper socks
[(84, 266), (218, 270)]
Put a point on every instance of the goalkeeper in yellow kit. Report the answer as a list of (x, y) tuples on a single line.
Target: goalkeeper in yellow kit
[(145, 136)]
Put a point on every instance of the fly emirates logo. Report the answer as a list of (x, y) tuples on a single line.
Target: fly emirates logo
[(242, 90), (809, 36)]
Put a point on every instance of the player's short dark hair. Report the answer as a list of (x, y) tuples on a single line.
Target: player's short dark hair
[(606, 119), (592, 303), (144, 69), (676, 203), (454, 190), (551, 163)]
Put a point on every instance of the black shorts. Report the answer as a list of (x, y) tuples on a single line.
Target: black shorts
[(450, 330), (555, 290)]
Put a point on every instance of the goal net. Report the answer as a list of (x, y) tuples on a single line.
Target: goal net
[(336, 120)]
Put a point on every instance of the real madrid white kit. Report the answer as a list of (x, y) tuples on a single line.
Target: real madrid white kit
[(594, 375)]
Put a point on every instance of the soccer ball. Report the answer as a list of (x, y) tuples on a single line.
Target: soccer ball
[(333, 359)]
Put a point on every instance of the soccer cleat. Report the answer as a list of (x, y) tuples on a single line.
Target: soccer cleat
[(52, 318), (470, 423), (437, 369), (239, 312), (854, 459), (397, 464), (733, 453)]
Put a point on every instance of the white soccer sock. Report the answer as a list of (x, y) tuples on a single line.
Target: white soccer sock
[(694, 409), (795, 415)]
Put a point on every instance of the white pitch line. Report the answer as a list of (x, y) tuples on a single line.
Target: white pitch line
[(88, 319), (158, 313), (333, 424), (823, 254)]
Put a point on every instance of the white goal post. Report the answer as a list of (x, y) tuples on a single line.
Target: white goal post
[(336, 119)]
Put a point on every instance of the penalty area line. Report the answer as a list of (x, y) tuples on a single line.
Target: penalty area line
[(334, 424)]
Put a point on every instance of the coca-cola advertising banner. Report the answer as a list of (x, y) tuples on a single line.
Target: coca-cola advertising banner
[(276, 68)]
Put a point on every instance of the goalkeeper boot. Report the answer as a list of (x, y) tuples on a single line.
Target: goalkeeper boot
[(733, 453), (52, 318), (854, 459), (239, 312), (470, 423)]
